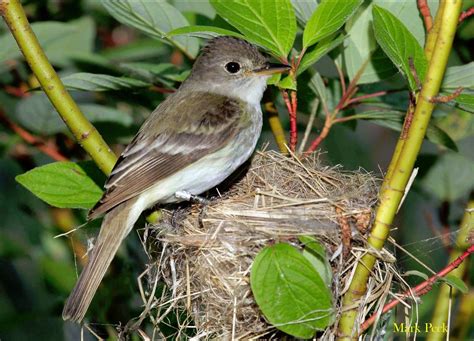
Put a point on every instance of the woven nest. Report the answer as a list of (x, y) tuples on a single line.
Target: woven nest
[(204, 253)]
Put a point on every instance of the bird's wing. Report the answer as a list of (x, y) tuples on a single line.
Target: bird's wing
[(172, 141)]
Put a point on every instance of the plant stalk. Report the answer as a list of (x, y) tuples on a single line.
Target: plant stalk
[(440, 313), (394, 185), (84, 132)]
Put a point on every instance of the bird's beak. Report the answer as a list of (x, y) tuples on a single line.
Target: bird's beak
[(270, 69)]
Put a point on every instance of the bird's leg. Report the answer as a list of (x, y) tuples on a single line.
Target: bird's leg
[(186, 196)]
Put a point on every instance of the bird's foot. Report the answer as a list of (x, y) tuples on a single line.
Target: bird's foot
[(186, 196)]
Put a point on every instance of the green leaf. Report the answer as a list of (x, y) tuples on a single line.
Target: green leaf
[(456, 283), (60, 276), (459, 76), (38, 115), (288, 82), (202, 7), (203, 32), (271, 24), (437, 135), (316, 254), (60, 41), (98, 82), (289, 291), (450, 178), (416, 273), (154, 18), (61, 184), (304, 9), (399, 44), (389, 115), (317, 85), (313, 54), (394, 120), (360, 50), (465, 102), (328, 17), (102, 113), (140, 49)]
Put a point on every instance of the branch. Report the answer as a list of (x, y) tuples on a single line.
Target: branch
[(440, 312), (49, 150), (420, 289), (84, 132), (466, 14), (291, 106), (401, 166), (426, 14)]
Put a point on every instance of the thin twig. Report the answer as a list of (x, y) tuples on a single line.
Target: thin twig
[(420, 289), (293, 127), (426, 14), (309, 126), (46, 148), (466, 14)]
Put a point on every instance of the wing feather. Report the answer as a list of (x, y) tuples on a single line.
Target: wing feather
[(149, 158)]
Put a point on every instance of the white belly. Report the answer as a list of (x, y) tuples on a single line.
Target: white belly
[(207, 172)]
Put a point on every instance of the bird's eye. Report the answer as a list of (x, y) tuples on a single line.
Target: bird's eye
[(232, 67)]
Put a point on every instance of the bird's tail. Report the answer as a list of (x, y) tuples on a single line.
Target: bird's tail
[(115, 227)]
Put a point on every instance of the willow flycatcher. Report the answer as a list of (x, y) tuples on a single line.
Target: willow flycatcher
[(189, 144)]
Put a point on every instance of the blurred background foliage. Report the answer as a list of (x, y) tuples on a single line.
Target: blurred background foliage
[(81, 38)]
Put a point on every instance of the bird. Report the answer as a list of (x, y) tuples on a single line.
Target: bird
[(189, 144)]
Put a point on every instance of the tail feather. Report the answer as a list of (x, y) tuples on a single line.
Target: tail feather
[(115, 227)]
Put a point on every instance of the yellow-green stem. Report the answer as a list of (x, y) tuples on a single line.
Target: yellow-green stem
[(85, 133), (393, 189), (429, 47), (440, 314)]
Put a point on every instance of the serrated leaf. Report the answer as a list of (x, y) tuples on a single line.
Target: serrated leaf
[(287, 82), (148, 72), (459, 76), (304, 9), (98, 82), (271, 24), (328, 17), (101, 113), (416, 273), (438, 136), (316, 254), (313, 54), (61, 276), (61, 184), (154, 18), (399, 45), (60, 41), (289, 291), (393, 119), (317, 85), (203, 32), (465, 102), (450, 178), (140, 49), (360, 50), (38, 115), (200, 7), (456, 283)]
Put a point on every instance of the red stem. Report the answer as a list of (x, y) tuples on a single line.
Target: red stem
[(341, 79), (327, 126), (291, 106), (466, 14), (426, 14), (420, 289), (361, 98), (33, 140)]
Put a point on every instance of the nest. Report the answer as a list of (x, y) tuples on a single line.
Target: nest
[(204, 253)]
